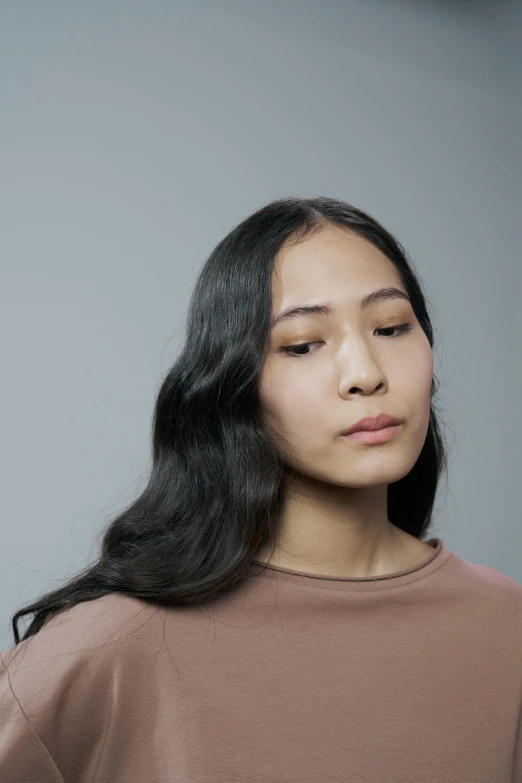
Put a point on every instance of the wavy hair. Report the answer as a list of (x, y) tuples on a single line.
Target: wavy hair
[(216, 489)]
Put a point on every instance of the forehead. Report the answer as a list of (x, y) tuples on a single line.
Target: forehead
[(332, 261)]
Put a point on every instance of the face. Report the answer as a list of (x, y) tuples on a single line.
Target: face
[(351, 364)]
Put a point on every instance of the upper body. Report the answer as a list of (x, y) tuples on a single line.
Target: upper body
[(410, 676)]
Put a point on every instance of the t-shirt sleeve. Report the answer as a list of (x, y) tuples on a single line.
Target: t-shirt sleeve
[(65, 691), (23, 756)]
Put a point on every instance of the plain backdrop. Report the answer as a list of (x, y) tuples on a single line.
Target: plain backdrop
[(135, 135)]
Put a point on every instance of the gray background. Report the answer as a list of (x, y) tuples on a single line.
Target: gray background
[(134, 136)]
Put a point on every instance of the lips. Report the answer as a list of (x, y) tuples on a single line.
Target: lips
[(373, 423)]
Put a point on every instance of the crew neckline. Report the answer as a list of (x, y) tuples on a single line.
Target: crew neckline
[(432, 563)]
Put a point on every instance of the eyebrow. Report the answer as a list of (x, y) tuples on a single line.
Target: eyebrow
[(325, 309)]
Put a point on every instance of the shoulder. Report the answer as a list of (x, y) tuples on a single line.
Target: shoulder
[(480, 575), (490, 590), (90, 638), (60, 687)]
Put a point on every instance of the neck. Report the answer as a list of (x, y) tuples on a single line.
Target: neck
[(338, 531)]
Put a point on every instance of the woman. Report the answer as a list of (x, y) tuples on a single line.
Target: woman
[(268, 609)]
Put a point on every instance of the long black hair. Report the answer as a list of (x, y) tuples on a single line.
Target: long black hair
[(216, 489)]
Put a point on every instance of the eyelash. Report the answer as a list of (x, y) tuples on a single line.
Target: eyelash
[(401, 329)]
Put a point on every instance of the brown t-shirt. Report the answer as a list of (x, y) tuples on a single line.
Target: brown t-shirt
[(288, 678)]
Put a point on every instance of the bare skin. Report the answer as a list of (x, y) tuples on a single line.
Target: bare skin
[(335, 519)]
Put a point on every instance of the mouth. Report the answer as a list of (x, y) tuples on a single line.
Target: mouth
[(373, 424), (374, 436)]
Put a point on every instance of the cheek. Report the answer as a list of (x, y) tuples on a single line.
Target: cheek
[(412, 367), (411, 384), (292, 401), (419, 374)]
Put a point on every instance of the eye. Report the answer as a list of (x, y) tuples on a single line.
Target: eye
[(289, 350)]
